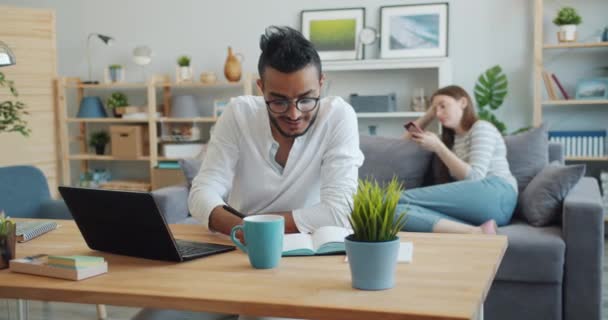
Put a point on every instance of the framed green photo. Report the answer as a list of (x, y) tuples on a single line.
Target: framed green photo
[(334, 32)]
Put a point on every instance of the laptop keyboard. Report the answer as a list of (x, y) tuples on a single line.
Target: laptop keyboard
[(189, 248)]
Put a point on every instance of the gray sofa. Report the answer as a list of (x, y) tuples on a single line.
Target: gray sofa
[(552, 272)]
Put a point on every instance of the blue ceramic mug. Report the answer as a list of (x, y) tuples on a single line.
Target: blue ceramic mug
[(263, 238)]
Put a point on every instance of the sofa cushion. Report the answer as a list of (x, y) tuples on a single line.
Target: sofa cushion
[(388, 157), (541, 201), (190, 167), (533, 255), (527, 154)]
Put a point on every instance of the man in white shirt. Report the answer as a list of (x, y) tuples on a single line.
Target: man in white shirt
[(289, 152)]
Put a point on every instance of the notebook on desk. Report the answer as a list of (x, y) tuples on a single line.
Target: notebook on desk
[(129, 223)]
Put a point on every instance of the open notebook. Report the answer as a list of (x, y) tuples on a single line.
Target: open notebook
[(325, 240)]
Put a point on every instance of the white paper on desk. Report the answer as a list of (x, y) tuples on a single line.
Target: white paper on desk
[(406, 253)]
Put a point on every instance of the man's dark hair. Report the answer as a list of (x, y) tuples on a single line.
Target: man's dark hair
[(286, 50)]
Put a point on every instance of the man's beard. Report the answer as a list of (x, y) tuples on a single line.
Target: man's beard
[(275, 124)]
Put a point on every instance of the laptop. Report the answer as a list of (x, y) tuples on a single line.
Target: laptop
[(130, 223)]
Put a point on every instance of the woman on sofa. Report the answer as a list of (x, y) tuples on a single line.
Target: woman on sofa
[(473, 155)]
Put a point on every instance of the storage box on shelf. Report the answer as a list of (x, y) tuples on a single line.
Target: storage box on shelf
[(139, 143)]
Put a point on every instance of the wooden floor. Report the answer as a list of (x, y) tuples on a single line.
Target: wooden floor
[(59, 311)]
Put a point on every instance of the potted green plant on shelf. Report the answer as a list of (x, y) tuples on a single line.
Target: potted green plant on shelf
[(98, 140), (7, 240), (12, 111), (373, 247), (116, 73), (567, 19), (116, 101), (184, 71)]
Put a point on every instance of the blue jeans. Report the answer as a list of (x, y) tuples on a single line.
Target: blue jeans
[(469, 201)]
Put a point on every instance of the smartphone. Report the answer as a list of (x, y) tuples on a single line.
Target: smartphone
[(412, 127)]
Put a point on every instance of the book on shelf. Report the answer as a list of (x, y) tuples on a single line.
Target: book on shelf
[(549, 86), (27, 230), (560, 87), (581, 143), (39, 265)]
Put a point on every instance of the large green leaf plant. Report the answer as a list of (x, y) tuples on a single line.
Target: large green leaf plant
[(490, 92)]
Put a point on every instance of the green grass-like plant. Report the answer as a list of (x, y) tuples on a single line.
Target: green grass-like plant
[(115, 66), (567, 15), (117, 99), (183, 61), (373, 211), (5, 224)]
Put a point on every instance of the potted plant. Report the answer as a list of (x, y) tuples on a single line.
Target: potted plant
[(373, 247), (115, 101), (12, 111), (567, 19), (98, 140), (184, 72), (116, 73), (7, 241)]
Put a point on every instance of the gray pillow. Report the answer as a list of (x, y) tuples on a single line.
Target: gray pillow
[(541, 201), (388, 157), (190, 167), (527, 154)]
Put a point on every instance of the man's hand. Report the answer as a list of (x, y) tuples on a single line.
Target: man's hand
[(428, 140), (223, 221)]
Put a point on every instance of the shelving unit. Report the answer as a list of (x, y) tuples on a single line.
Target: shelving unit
[(541, 105), (74, 131), (385, 76)]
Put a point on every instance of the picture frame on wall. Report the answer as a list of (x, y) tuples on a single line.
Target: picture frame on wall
[(592, 89), (334, 32), (414, 31)]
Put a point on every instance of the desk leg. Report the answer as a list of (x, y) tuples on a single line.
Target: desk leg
[(22, 309)]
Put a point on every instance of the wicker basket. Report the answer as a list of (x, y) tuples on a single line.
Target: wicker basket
[(126, 185)]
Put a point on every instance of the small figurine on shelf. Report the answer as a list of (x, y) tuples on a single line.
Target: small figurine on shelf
[(98, 140), (116, 101), (184, 70), (419, 101), (92, 179), (567, 19), (114, 73)]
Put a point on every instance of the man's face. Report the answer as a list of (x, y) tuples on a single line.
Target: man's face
[(278, 86)]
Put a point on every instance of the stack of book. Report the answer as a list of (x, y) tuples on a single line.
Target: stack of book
[(553, 85), (581, 143), (65, 267)]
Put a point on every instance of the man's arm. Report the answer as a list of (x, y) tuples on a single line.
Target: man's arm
[(339, 175), (214, 180)]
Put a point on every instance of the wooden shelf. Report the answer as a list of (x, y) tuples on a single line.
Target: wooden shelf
[(102, 157), (381, 115), (187, 120), (574, 45), (574, 102), (217, 85), (106, 120), (119, 85), (586, 158), (383, 64)]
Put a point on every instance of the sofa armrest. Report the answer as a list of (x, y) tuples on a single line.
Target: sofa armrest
[(583, 230), (53, 209), (172, 202)]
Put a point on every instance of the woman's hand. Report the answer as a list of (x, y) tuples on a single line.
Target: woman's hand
[(428, 140)]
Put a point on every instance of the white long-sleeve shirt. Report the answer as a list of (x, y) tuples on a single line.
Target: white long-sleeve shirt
[(318, 179)]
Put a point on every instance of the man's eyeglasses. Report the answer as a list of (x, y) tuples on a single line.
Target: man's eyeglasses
[(302, 104)]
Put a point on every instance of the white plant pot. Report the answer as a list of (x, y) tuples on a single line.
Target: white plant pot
[(567, 33), (185, 74)]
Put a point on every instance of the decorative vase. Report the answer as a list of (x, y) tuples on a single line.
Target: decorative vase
[(100, 149), (232, 68), (91, 107), (372, 264), (567, 33), (7, 246)]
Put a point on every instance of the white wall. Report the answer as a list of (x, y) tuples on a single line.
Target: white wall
[(482, 33)]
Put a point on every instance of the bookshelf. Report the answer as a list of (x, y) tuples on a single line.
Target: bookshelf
[(157, 92), (576, 56)]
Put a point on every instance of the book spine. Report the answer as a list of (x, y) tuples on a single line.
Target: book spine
[(559, 85)]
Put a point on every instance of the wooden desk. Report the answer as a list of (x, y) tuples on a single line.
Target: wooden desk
[(449, 279)]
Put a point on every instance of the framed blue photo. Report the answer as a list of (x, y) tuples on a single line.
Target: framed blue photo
[(592, 89)]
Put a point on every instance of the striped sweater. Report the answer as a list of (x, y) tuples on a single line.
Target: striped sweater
[(483, 148)]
